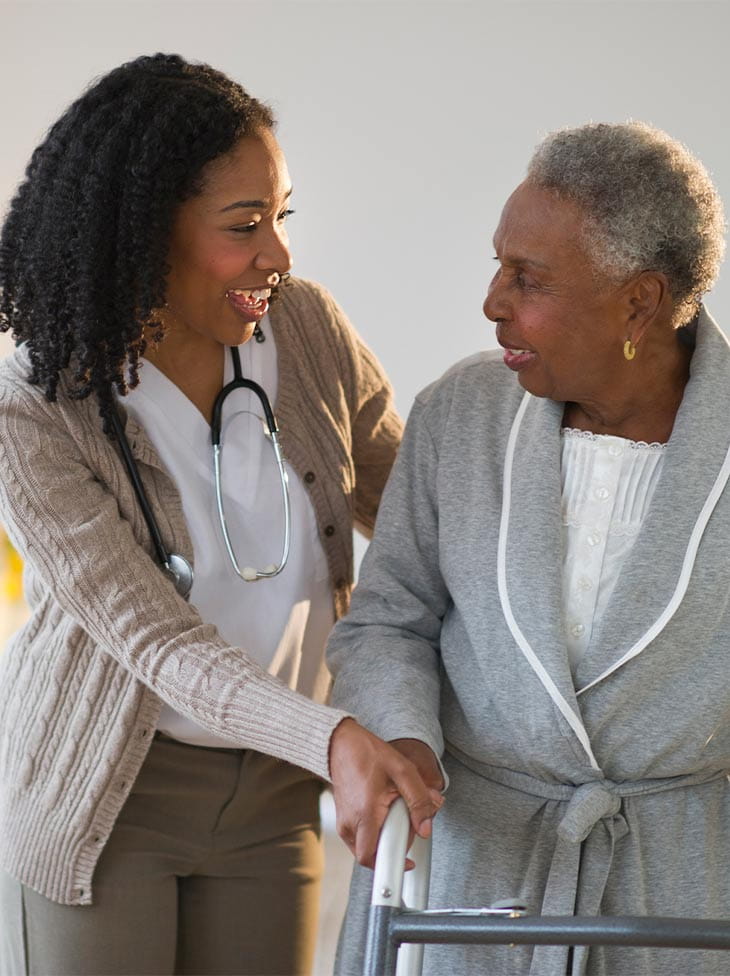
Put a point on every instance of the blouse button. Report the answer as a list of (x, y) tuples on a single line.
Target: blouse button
[(594, 539), (309, 477), (584, 583), (329, 530), (602, 493), (615, 450), (577, 630)]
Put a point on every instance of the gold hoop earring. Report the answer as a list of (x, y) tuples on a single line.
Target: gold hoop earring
[(629, 350)]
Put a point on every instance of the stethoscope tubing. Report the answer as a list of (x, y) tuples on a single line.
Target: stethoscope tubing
[(174, 564), (139, 490), (248, 573)]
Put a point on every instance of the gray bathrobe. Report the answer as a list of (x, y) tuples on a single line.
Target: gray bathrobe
[(606, 793)]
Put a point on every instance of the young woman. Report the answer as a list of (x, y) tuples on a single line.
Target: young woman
[(164, 735)]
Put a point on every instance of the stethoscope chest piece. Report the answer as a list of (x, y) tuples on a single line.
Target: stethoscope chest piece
[(180, 572)]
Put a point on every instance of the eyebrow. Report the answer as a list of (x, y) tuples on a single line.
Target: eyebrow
[(524, 261), (252, 204)]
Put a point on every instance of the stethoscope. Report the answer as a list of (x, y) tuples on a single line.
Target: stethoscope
[(175, 565)]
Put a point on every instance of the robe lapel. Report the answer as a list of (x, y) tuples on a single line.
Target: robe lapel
[(534, 555), (694, 455)]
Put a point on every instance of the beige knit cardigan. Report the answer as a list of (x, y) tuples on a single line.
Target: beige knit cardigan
[(109, 639)]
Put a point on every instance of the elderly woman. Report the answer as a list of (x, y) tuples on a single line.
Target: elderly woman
[(545, 603)]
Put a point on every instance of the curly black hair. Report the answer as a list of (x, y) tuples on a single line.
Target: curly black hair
[(83, 249)]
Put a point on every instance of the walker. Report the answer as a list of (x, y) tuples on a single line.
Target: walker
[(400, 924)]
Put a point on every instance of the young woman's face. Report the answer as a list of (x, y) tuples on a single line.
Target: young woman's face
[(229, 243)]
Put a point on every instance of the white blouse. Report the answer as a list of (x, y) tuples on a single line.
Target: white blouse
[(607, 487), (282, 623)]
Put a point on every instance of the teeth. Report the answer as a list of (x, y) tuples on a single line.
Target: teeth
[(517, 352), (258, 294)]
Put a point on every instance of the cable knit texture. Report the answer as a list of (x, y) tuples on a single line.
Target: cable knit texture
[(109, 638)]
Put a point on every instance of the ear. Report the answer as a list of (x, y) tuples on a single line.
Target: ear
[(646, 299)]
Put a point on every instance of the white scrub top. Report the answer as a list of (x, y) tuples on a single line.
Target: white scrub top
[(282, 623)]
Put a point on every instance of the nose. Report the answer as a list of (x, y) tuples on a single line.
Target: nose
[(494, 306), (274, 255)]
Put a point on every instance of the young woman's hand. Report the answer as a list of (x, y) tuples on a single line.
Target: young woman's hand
[(367, 775)]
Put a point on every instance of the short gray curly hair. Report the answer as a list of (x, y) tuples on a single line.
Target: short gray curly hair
[(649, 204)]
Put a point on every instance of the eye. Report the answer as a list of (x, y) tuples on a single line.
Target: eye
[(245, 228), (521, 281), (284, 214)]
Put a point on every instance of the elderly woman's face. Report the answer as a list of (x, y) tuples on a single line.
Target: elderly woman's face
[(563, 334)]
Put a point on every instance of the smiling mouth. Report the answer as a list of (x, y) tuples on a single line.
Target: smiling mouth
[(250, 303)]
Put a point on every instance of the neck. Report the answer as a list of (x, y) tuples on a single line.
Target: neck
[(195, 367), (644, 404)]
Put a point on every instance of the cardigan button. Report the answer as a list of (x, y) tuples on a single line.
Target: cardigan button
[(309, 477), (329, 530)]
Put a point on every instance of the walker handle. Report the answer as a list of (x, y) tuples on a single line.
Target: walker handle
[(394, 886)]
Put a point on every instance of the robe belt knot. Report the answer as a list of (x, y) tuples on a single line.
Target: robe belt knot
[(589, 803)]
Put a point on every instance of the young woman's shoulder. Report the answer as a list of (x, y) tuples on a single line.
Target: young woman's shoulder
[(16, 390), (14, 368), (315, 336), (301, 303), (26, 410)]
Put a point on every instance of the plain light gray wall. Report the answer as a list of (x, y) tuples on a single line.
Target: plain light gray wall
[(406, 125)]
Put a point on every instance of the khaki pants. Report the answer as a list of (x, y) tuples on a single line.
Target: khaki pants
[(213, 867)]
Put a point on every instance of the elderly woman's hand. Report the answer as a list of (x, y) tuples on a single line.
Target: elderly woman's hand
[(367, 776), (423, 758)]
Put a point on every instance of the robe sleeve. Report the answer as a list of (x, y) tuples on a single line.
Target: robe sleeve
[(384, 655)]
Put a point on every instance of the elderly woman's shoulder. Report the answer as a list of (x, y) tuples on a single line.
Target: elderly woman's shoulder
[(481, 378)]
